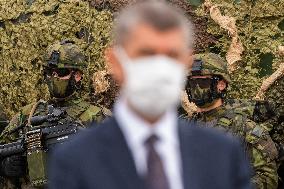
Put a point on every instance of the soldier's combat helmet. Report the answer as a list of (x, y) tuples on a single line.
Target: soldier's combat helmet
[(65, 54), (210, 64), (203, 90)]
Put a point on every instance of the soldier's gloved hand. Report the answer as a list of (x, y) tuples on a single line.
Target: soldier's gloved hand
[(13, 166)]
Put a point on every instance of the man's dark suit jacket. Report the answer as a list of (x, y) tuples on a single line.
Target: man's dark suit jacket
[(99, 158)]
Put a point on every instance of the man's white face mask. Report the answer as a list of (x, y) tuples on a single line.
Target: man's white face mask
[(153, 84)]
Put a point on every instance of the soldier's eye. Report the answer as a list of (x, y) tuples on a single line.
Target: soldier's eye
[(61, 72)]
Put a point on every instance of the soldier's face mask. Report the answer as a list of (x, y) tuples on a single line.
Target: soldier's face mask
[(153, 84), (61, 82), (202, 91)]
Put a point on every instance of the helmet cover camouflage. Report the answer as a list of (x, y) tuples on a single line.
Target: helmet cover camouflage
[(210, 64), (65, 55)]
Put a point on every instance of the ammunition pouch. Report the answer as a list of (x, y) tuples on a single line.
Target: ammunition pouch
[(39, 142)]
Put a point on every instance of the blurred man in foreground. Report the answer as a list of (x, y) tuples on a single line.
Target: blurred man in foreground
[(206, 87), (145, 145)]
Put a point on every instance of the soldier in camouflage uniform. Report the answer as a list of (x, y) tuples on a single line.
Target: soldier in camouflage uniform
[(269, 114), (63, 73), (206, 87), (266, 113)]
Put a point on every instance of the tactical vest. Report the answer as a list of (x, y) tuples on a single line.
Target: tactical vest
[(235, 121)]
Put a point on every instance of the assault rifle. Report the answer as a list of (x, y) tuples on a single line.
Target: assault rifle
[(37, 140)]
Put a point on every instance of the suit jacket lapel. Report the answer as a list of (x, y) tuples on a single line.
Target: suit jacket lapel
[(123, 162), (123, 165)]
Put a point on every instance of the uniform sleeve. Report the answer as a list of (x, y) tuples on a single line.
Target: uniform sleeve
[(263, 154), (5, 137), (242, 169), (16, 121)]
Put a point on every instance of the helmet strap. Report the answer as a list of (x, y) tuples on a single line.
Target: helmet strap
[(214, 89)]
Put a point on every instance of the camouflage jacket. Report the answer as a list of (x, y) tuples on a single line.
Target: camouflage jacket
[(266, 113), (257, 142), (76, 109)]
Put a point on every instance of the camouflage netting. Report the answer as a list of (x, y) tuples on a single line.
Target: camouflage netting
[(260, 28), (27, 27)]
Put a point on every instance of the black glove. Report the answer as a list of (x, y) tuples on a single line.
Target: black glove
[(13, 166)]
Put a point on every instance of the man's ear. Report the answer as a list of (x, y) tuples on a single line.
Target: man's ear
[(222, 84), (113, 65)]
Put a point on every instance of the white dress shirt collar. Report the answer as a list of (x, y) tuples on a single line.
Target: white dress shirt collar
[(136, 131)]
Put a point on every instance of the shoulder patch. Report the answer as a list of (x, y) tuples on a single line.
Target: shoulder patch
[(257, 131)]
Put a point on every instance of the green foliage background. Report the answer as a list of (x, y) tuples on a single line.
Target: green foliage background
[(27, 27)]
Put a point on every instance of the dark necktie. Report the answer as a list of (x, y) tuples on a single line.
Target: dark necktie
[(155, 177)]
